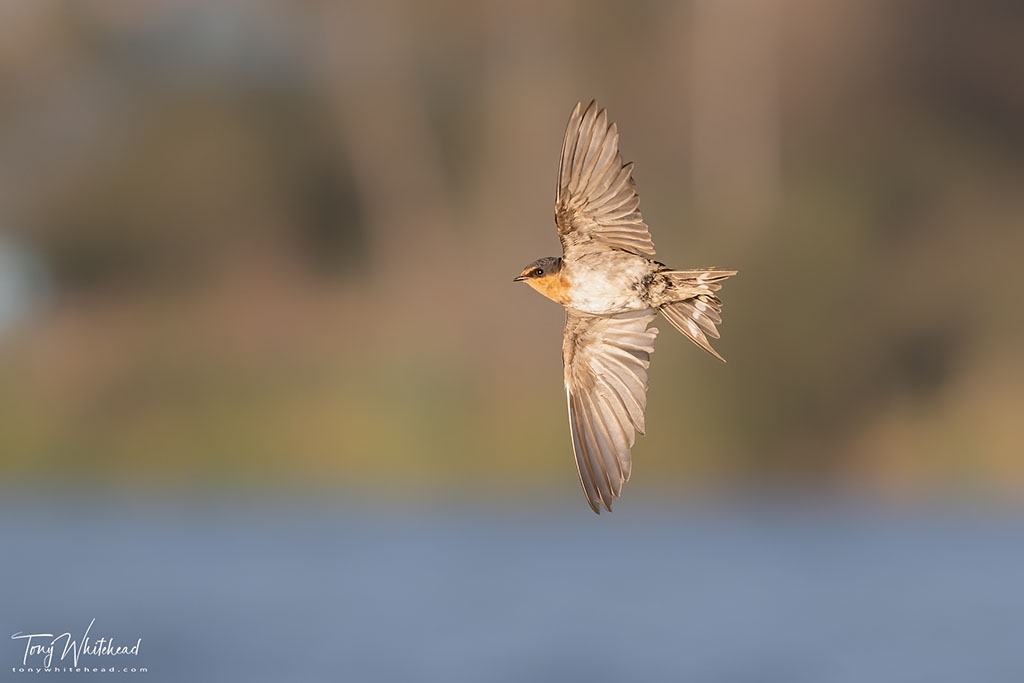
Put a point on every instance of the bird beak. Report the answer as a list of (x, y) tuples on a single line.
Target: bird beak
[(519, 279)]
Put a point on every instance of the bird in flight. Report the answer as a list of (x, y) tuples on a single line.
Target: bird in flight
[(612, 289)]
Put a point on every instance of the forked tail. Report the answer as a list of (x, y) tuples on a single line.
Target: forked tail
[(697, 310)]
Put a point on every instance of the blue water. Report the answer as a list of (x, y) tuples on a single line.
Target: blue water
[(320, 592)]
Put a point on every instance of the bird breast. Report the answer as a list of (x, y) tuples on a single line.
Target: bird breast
[(606, 283)]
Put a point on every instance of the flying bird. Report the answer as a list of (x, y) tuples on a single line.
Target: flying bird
[(612, 290)]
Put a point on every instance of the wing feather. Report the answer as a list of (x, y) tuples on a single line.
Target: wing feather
[(606, 361), (592, 453), (596, 205), (568, 144), (582, 463), (634, 407)]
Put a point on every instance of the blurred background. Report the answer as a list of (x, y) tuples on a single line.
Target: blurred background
[(256, 316)]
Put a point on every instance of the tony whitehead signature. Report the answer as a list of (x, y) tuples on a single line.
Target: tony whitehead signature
[(45, 644)]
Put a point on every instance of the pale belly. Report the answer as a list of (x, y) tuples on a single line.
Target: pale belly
[(607, 283)]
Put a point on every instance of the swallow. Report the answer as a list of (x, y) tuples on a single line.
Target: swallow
[(612, 290)]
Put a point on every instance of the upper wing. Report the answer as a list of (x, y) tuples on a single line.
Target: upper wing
[(606, 360), (596, 202)]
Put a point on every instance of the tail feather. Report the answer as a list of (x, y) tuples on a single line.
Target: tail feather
[(697, 311)]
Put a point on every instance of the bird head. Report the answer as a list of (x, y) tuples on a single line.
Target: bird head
[(543, 275), (541, 268)]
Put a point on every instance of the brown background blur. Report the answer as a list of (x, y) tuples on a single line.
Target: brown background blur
[(269, 244)]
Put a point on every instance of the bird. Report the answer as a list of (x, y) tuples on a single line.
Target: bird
[(612, 290)]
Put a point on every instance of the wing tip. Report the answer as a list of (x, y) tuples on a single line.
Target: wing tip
[(596, 505)]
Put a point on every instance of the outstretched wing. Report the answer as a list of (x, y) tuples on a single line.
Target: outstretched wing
[(596, 205), (605, 363)]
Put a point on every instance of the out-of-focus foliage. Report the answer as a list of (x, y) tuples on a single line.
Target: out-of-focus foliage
[(272, 243)]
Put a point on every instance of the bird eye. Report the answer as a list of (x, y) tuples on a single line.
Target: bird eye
[(538, 272)]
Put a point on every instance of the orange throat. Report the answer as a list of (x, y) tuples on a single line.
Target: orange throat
[(555, 287)]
